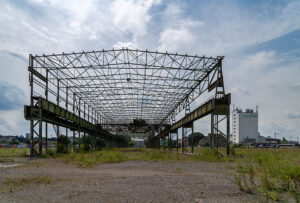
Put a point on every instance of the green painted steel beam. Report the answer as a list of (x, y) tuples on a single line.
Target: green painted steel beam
[(219, 106)]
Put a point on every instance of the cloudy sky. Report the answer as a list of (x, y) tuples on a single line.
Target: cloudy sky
[(259, 39)]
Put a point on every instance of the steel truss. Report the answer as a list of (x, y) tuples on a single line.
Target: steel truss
[(115, 87)]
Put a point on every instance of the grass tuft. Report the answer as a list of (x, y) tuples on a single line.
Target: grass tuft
[(271, 174), (13, 152), (89, 159)]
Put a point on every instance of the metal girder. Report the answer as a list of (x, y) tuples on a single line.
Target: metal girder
[(108, 79), (120, 85)]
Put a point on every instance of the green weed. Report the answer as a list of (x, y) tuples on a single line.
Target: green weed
[(89, 159), (271, 174), (10, 187), (13, 152)]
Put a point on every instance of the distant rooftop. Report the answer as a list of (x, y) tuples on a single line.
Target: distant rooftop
[(240, 110)]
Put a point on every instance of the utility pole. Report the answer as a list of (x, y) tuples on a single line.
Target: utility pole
[(276, 133)]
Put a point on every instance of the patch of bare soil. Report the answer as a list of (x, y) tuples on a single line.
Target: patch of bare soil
[(52, 180)]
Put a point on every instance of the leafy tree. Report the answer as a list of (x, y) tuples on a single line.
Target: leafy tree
[(171, 142), (62, 139), (62, 142), (197, 137), (284, 141), (15, 141), (125, 141), (152, 141)]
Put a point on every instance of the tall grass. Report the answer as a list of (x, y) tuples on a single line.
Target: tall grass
[(91, 158), (13, 152), (270, 174)]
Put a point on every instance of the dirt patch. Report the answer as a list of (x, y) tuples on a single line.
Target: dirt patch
[(132, 181)]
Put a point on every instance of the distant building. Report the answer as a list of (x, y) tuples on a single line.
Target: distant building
[(244, 126), (27, 135), (219, 141), (261, 138), (273, 140), (293, 142), (139, 143)]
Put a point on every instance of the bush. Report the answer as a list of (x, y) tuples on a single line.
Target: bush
[(61, 148), (86, 147)]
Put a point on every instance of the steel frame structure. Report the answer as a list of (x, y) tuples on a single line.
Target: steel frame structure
[(113, 88)]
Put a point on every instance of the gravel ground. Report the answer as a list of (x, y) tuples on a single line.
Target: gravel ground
[(52, 180)]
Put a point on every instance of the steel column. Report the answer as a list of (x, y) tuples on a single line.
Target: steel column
[(57, 126), (79, 142), (84, 118), (31, 104), (40, 135), (217, 132), (46, 127), (228, 133), (74, 129), (182, 139), (192, 137), (177, 140), (212, 131), (67, 104)]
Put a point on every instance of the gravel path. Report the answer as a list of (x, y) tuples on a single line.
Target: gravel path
[(133, 181)]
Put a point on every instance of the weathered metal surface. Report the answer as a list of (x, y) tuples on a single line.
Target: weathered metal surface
[(120, 86), (217, 106)]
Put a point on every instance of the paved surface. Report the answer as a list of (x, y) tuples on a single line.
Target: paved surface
[(133, 181)]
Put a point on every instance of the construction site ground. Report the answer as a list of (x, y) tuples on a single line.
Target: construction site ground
[(54, 180)]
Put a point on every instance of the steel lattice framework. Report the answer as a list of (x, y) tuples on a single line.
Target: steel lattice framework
[(107, 93), (123, 85)]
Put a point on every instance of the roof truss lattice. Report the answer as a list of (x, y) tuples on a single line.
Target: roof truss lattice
[(126, 84)]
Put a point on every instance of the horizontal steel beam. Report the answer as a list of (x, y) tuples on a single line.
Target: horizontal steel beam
[(219, 106)]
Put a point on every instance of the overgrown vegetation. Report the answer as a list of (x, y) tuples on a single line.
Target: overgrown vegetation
[(18, 183), (13, 152), (194, 138), (270, 174), (88, 159)]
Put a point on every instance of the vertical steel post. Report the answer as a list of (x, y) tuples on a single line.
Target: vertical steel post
[(79, 142), (74, 129), (177, 140), (217, 131), (67, 95), (182, 142), (84, 119), (192, 137), (212, 131), (57, 101), (228, 133), (40, 134), (46, 127), (169, 141), (31, 104)]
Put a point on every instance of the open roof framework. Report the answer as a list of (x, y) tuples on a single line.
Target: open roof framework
[(109, 93), (120, 85)]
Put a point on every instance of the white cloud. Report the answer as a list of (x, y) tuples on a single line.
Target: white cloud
[(268, 81), (132, 16), (53, 26), (179, 38), (12, 122), (180, 33), (121, 45)]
